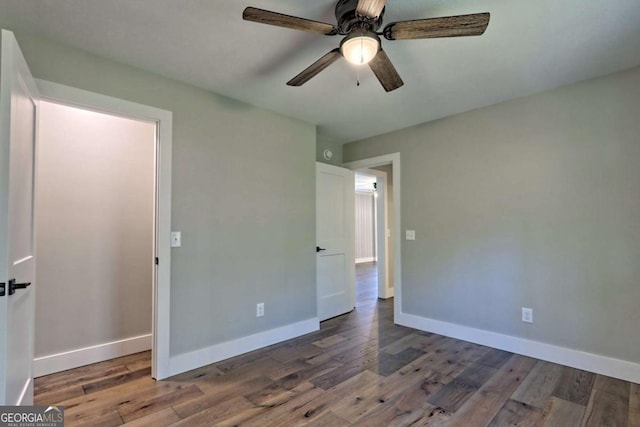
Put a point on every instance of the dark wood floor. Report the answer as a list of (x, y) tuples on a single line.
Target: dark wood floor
[(359, 369)]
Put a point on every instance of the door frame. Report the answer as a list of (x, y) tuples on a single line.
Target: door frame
[(381, 222), (393, 160), (70, 96)]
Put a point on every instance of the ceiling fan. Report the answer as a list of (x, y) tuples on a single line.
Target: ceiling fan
[(359, 21)]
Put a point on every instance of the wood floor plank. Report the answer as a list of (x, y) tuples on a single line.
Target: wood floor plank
[(286, 355), (363, 401), (291, 381), (495, 358), (634, 405), (328, 420), (606, 409), (325, 402), (346, 371), (455, 393), (484, 405), (575, 385), (330, 353), (330, 341), (401, 344), (109, 400), (115, 394), (67, 379), (216, 414), (634, 397), (214, 393), (560, 412), (285, 403), (536, 389), (205, 373), (387, 363), (137, 365), (107, 419), (56, 396), (515, 413), (163, 418), (613, 386), (111, 381), (142, 407)]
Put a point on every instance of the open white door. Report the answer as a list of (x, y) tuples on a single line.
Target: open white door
[(18, 104), (335, 223)]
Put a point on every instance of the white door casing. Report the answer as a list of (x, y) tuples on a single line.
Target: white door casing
[(335, 252), (54, 92), (18, 117)]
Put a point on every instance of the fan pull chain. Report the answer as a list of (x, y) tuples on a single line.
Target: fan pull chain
[(358, 77)]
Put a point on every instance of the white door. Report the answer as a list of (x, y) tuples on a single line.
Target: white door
[(18, 103), (335, 250)]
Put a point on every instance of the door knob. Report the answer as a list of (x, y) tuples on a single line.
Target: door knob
[(319, 249), (13, 286)]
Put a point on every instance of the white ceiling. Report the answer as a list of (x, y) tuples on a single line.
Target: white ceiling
[(529, 46)]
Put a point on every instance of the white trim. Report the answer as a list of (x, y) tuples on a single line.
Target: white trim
[(215, 353), (367, 259), (162, 290), (394, 160), (46, 365), (26, 396), (591, 362)]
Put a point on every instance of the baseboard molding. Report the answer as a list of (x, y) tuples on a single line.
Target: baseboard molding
[(591, 362), (363, 260), (206, 356), (50, 364), (388, 294)]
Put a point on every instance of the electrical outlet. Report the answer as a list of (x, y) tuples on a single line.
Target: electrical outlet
[(260, 309), (527, 315)]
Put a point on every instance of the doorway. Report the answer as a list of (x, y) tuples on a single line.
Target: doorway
[(95, 218), (390, 164), (374, 221), (135, 255)]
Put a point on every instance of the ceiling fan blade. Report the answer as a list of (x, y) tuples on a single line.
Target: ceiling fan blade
[(280, 20), (370, 8), (315, 68), (385, 72), (449, 26)]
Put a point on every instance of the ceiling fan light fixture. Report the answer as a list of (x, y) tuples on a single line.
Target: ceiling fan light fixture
[(360, 47)]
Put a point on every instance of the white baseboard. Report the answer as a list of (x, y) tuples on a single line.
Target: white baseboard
[(206, 356), (368, 259), (591, 362), (387, 294), (50, 364)]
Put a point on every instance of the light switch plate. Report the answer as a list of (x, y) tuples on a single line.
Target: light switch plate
[(176, 239), (410, 234)]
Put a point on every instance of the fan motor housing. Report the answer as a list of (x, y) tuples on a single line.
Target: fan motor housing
[(347, 17)]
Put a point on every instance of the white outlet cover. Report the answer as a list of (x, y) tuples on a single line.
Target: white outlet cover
[(527, 315), (176, 239), (410, 234)]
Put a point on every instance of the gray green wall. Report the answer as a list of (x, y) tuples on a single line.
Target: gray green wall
[(324, 143), (529, 203), (243, 197)]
